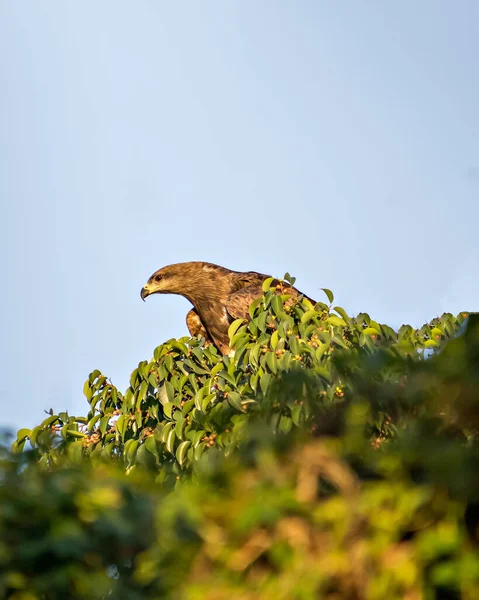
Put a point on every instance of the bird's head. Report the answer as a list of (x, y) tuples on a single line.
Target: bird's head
[(185, 279), (163, 281)]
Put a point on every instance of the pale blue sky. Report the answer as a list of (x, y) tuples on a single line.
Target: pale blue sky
[(336, 141)]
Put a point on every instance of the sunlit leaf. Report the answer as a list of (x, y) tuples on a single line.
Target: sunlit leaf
[(122, 424), (233, 328), (329, 294), (335, 321), (267, 284), (22, 434), (87, 391), (308, 315), (371, 331), (342, 313), (170, 441), (182, 450), (94, 375), (272, 362)]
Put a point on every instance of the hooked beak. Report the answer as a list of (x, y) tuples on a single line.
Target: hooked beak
[(144, 293)]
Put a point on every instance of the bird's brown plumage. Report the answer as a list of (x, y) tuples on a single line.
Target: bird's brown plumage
[(219, 296)]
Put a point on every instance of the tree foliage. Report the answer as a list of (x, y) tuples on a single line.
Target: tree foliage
[(325, 457)]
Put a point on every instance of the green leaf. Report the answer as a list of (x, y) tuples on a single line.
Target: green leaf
[(194, 366), (166, 431), (22, 434), (87, 391), (233, 328), (92, 422), (235, 400), (122, 424), (252, 306), (107, 450), (74, 432), (170, 441), (371, 331), (142, 393), (227, 377), (254, 354), (199, 397), (151, 445), (18, 446), (342, 313), (130, 450), (49, 421), (294, 344), (296, 413), (180, 425), (277, 305), (285, 424), (152, 380), (143, 369), (272, 362), (267, 284), (240, 335), (193, 379), (104, 424), (285, 361), (188, 406), (264, 382), (200, 448), (308, 315), (261, 321), (181, 451), (169, 364), (274, 339), (153, 410), (216, 369), (34, 434), (389, 332), (307, 304), (134, 379), (324, 372), (166, 393), (335, 321), (75, 452), (206, 401), (183, 349), (168, 409), (196, 436), (94, 375), (329, 294)]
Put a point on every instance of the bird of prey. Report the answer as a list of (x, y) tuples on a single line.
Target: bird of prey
[(218, 295)]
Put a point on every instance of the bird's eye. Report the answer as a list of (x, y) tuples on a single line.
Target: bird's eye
[(158, 278)]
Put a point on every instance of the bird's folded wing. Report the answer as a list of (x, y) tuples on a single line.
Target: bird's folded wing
[(195, 326), (238, 303)]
